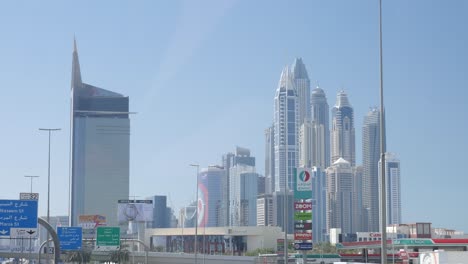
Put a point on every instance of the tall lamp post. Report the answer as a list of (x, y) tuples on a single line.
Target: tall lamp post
[(49, 130), (383, 195), (196, 213), (31, 177)]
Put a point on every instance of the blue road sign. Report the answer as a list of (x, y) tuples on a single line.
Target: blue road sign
[(70, 238), (17, 214), (303, 246)]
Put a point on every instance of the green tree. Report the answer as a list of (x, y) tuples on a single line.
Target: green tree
[(324, 247), (78, 256), (260, 251), (82, 256), (122, 255)]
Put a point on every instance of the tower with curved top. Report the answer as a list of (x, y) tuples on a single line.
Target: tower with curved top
[(342, 130), (286, 120)]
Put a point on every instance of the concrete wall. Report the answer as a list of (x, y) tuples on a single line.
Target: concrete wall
[(168, 258)]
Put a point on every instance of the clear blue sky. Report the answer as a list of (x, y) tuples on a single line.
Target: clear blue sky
[(202, 77)]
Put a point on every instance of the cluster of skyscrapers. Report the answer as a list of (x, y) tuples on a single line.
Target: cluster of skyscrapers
[(344, 195)]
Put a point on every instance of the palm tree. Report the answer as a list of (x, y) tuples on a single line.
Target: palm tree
[(120, 255), (82, 256)]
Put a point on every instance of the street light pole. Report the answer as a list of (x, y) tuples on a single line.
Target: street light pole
[(49, 130), (31, 177), (383, 198), (196, 213)]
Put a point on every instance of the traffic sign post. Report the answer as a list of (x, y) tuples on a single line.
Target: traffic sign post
[(29, 196), (107, 238), (302, 182), (17, 214), (303, 246), (70, 238)]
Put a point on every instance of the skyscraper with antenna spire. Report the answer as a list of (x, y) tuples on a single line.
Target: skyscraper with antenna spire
[(286, 119), (100, 149), (302, 87)]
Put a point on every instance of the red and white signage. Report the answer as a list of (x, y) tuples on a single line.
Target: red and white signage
[(302, 236), (305, 206)]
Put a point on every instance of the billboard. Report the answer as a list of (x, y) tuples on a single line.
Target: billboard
[(302, 184), (302, 236), (89, 223), (203, 200), (302, 216), (304, 206), (135, 210)]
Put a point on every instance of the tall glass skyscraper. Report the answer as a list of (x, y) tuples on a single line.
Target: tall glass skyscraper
[(393, 190), (229, 160), (243, 196), (342, 133), (161, 213), (319, 205), (321, 126), (286, 119), (302, 85), (370, 161), (212, 193), (340, 196), (100, 149)]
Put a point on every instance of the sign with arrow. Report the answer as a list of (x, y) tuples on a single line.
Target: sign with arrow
[(107, 238), (20, 214), (23, 232)]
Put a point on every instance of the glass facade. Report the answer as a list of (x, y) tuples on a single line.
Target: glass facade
[(100, 149)]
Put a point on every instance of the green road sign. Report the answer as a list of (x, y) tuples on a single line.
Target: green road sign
[(298, 216), (413, 242), (107, 238)]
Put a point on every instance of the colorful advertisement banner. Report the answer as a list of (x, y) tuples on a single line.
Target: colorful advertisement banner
[(135, 210), (302, 226), (302, 206), (302, 236), (303, 246), (302, 216), (302, 184)]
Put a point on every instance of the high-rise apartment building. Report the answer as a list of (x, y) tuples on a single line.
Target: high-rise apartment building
[(319, 205), (359, 211), (286, 119), (370, 161), (321, 127), (340, 196), (243, 195), (212, 191), (302, 85), (100, 149), (161, 214), (229, 160), (305, 144), (393, 190), (187, 216), (342, 131), (265, 210), (278, 210), (269, 160)]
